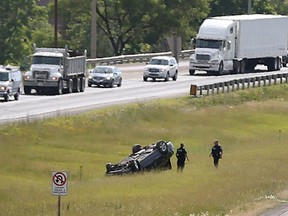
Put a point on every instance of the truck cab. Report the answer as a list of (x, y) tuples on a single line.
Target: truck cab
[(213, 47), (54, 69)]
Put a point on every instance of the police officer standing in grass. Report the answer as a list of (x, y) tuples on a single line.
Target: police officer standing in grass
[(181, 155), (216, 153)]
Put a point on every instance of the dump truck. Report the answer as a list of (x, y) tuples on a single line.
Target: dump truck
[(239, 43), (55, 70)]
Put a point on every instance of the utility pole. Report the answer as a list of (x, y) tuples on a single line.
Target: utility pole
[(249, 6), (93, 30), (55, 23)]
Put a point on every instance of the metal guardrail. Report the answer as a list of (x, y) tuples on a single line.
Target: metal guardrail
[(133, 58), (237, 84)]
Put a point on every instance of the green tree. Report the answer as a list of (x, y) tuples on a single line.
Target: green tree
[(16, 30), (128, 27)]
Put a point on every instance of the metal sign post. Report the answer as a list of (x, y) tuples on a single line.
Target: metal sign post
[(59, 186)]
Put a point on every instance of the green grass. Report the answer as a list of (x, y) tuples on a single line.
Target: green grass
[(251, 125)]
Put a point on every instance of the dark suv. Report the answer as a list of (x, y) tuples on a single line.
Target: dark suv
[(151, 157)]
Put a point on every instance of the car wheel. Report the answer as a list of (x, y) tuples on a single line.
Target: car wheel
[(16, 96), (111, 84), (167, 77), (136, 148), (89, 84), (6, 97), (134, 166), (108, 167), (120, 83), (145, 79), (175, 76), (162, 147)]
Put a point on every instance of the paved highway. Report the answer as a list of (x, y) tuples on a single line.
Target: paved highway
[(133, 89)]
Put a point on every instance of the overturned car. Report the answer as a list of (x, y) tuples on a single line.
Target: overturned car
[(151, 157)]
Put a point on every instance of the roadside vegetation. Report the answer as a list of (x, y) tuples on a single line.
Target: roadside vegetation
[(251, 125)]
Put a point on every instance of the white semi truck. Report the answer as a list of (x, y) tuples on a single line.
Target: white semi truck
[(238, 43), (55, 70)]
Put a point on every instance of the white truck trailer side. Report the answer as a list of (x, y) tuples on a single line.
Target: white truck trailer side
[(238, 43), (55, 70)]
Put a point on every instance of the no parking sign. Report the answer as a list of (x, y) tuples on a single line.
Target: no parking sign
[(59, 183)]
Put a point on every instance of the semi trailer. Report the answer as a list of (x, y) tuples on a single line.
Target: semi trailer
[(239, 43)]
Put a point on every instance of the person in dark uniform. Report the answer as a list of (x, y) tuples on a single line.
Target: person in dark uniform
[(181, 155), (216, 153)]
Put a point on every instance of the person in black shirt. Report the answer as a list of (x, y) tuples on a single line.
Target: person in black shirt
[(181, 155), (216, 153)]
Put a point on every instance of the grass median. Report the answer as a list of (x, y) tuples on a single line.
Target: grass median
[(251, 126)]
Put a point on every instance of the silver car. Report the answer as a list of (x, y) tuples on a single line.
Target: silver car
[(107, 76), (161, 67), (10, 82)]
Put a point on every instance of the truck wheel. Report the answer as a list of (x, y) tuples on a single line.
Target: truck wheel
[(77, 84), (27, 90), (70, 86), (82, 84), (278, 63), (191, 72), (60, 87), (221, 69)]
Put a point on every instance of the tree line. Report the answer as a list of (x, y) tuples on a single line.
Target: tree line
[(123, 26)]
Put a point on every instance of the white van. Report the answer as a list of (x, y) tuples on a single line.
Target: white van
[(10, 82)]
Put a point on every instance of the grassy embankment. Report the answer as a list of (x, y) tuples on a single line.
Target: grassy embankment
[(251, 125)]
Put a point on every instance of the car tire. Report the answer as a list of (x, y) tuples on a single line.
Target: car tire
[(145, 79), (134, 166), (136, 148), (175, 76), (6, 97), (16, 96), (120, 83), (162, 147), (167, 77), (111, 85), (108, 167)]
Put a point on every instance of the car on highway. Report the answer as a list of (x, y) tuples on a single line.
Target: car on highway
[(107, 76), (10, 82), (155, 156), (161, 67)]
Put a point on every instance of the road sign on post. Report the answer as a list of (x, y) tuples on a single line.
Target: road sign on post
[(59, 183), (175, 44)]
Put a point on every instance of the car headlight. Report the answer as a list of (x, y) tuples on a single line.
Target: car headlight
[(3, 88), (108, 77), (90, 77)]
